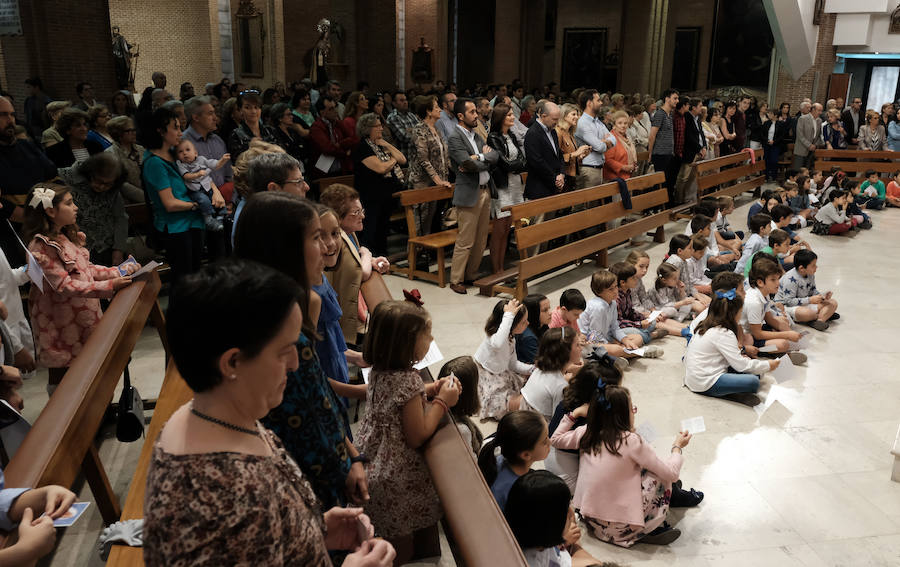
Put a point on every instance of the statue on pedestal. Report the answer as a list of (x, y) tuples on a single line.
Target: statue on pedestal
[(318, 74), (422, 63), (125, 59)]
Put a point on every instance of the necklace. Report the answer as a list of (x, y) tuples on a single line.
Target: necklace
[(225, 424)]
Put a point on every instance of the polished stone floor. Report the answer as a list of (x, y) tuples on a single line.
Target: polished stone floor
[(803, 479)]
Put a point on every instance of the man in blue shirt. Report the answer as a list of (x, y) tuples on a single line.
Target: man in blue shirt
[(592, 132), (203, 122)]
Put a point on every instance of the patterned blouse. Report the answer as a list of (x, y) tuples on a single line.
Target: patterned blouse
[(231, 509), (430, 157)]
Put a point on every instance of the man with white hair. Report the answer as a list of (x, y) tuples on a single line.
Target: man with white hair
[(809, 137), (159, 97)]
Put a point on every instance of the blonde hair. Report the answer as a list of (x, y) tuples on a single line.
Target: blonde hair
[(635, 256), (619, 114), (564, 110), (256, 148)]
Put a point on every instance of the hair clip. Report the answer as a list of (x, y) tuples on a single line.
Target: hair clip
[(414, 297), (601, 395), (42, 196), (728, 295)]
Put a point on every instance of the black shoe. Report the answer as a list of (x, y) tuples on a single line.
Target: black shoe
[(684, 498), (663, 535), (835, 317)]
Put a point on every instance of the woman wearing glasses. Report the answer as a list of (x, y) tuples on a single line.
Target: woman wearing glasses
[(251, 127), (130, 153)]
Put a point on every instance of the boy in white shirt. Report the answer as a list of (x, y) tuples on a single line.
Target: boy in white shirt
[(696, 264), (764, 280), (679, 251)]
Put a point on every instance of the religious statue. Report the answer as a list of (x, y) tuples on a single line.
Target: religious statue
[(125, 59), (422, 63), (318, 74)]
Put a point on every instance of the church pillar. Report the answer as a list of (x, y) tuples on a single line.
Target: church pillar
[(644, 36)]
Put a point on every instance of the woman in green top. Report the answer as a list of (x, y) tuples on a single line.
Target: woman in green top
[(175, 216)]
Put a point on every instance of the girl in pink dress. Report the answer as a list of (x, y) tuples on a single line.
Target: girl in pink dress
[(65, 312)]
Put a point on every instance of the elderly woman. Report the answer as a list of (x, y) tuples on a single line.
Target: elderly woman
[(75, 147), (355, 264), (871, 134), (51, 135), (528, 107), (98, 117), (638, 132), (251, 127), (431, 164), (130, 153), (282, 121), (175, 215), (833, 131), (621, 159), (376, 171), (710, 119), (101, 208), (122, 104), (221, 488)]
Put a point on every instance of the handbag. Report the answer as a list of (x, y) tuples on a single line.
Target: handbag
[(130, 413)]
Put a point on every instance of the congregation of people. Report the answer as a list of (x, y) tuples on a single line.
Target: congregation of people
[(268, 327)]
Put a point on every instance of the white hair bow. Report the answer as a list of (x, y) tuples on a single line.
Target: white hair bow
[(43, 196)]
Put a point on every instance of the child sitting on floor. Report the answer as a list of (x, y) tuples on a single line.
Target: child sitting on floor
[(798, 201), (873, 190), (802, 301), (779, 247), (679, 251), (629, 319), (716, 258), (643, 303), (537, 308), (833, 216), (723, 227), (523, 440), (600, 321), (760, 227), (761, 204), (760, 322), (668, 294), (571, 306), (695, 266), (466, 371), (854, 211), (500, 374), (558, 353), (892, 193)]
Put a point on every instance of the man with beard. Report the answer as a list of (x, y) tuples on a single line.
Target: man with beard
[(22, 165)]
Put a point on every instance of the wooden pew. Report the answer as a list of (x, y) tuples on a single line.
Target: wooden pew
[(61, 442), (475, 520), (712, 183), (647, 192), (437, 241), (856, 162)]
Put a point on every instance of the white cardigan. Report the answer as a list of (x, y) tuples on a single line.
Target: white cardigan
[(497, 353), (709, 355)]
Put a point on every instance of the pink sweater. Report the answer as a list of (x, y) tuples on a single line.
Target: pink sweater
[(609, 486)]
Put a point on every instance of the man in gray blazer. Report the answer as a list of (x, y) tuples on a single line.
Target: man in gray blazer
[(472, 160), (809, 137)]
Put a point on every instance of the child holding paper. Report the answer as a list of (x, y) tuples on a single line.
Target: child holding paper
[(679, 251), (802, 301), (714, 364), (630, 320), (643, 302), (761, 323)]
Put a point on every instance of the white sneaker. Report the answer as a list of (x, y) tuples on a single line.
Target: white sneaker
[(621, 364), (652, 351)]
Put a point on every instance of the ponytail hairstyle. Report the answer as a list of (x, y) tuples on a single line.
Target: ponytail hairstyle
[(723, 312), (517, 432), (608, 419), (664, 272), (555, 349), (582, 386), (532, 303), (41, 197), (466, 371), (496, 316)]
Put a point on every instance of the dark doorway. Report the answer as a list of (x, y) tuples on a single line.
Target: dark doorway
[(472, 27), (686, 58), (584, 59), (742, 45)]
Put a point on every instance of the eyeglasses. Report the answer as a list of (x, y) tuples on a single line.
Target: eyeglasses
[(249, 91), (358, 213), (300, 181)]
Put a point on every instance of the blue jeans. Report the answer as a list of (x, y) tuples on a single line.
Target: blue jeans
[(733, 383), (644, 333), (204, 203)]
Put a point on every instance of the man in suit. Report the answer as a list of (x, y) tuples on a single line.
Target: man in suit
[(809, 137), (850, 117), (694, 150), (545, 164), (472, 160)]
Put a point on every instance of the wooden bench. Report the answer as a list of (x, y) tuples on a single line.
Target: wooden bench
[(437, 241), (478, 527), (712, 183), (647, 192), (60, 444), (857, 162)]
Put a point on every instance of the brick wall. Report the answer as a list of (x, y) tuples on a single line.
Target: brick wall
[(47, 49), (424, 19), (794, 91), (176, 37)]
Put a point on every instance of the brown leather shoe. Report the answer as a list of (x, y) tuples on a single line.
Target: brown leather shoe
[(459, 288)]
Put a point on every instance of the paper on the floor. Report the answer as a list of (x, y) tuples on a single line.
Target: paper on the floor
[(785, 370), (653, 316), (647, 432), (636, 351), (693, 425), (431, 357)]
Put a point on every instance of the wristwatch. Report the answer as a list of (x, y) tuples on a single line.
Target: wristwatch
[(361, 458)]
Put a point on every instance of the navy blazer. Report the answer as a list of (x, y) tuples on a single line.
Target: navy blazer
[(544, 162)]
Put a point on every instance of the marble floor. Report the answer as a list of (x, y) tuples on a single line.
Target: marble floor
[(803, 479)]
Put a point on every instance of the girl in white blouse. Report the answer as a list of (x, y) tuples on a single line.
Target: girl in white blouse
[(500, 374)]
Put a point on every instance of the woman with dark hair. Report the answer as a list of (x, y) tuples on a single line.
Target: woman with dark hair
[(430, 165), (175, 215), (250, 127), (282, 121), (728, 146), (185, 92), (130, 153), (283, 231), (301, 105), (98, 117), (357, 105), (376, 171), (122, 104), (75, 147), (507, 178), (145, 106), (214, 459), (101, 208)]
